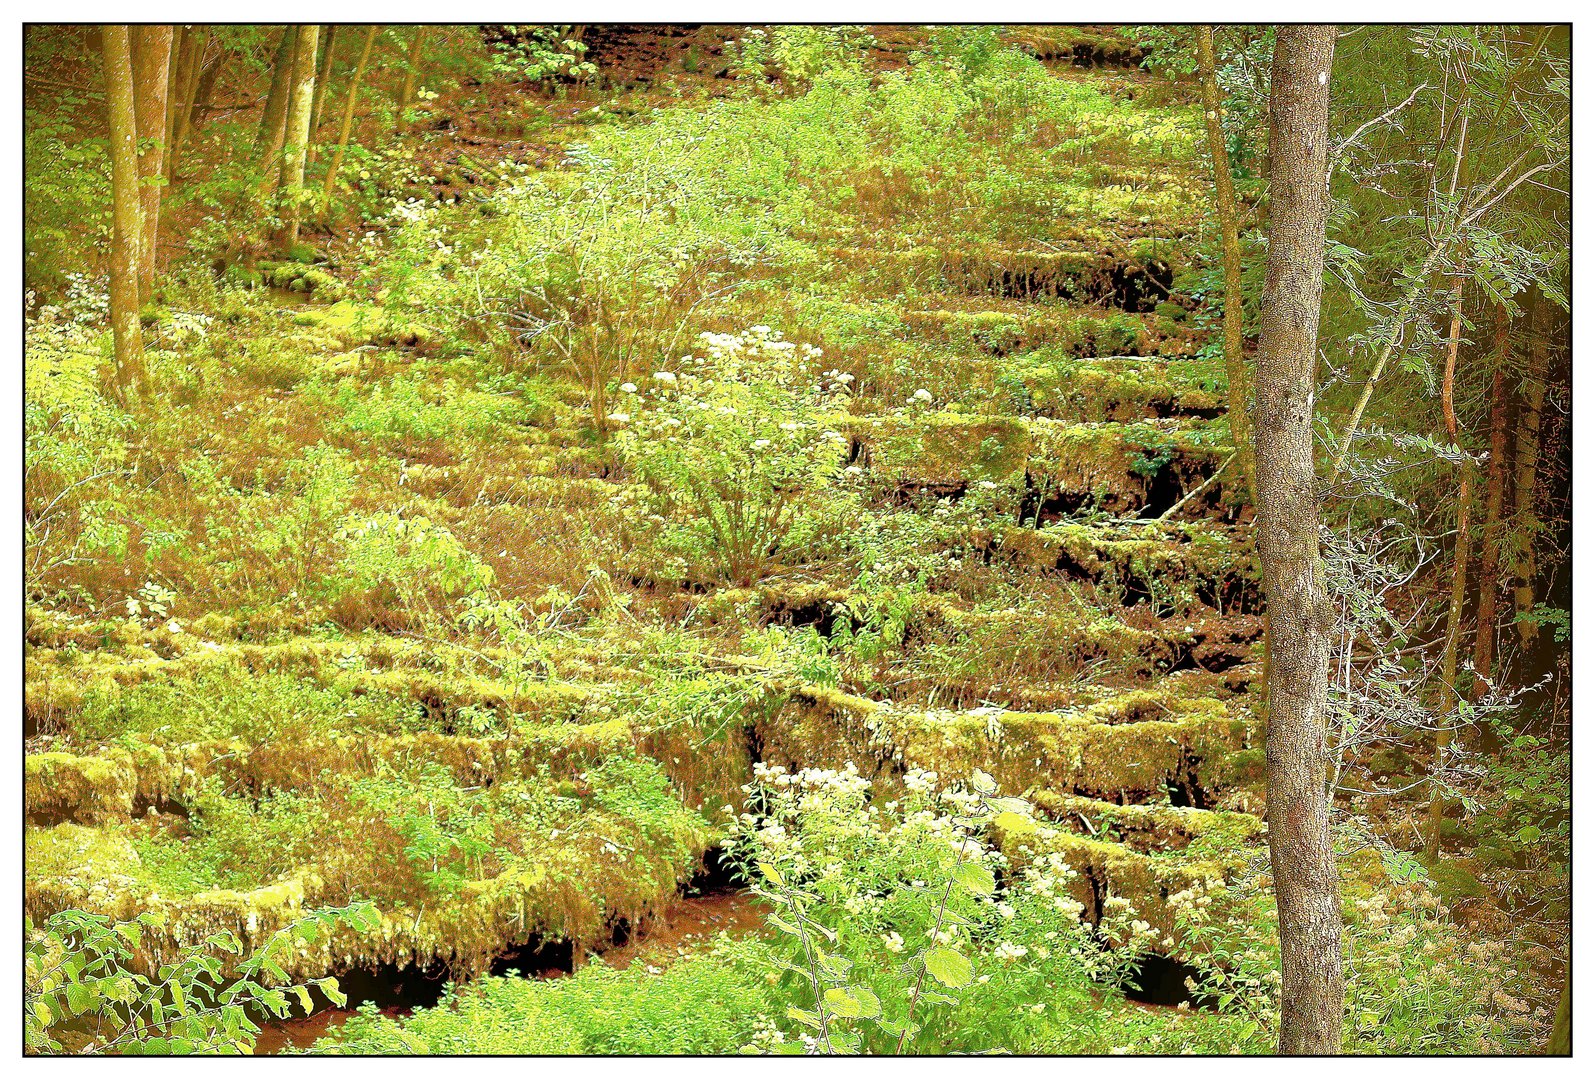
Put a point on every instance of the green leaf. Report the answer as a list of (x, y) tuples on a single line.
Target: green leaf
[(977, 878), (896, 1030), (949, 967), (772, 875), (983, 783), (804, 1017), (853, 1002), (329, 986), (1007, 804), (835, 966)]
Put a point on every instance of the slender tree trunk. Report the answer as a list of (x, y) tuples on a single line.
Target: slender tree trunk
[(274, 118), (290, 188), (323, 78), (127, 223), (348, 120), (412, 67), (188, 83), (1449, 698), (198, 111), (152, 57), (182, 45), (1306, 880), (1494, 501), (1229, 230), (1526, 463)]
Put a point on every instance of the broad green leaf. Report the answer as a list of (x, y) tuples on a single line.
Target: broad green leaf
[(896, 1030), (853, 1002), (976, 878), (949, 967), (772, 875), (983, 783)]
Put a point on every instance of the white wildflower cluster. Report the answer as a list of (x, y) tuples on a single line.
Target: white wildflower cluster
[(733, 445), (1008, 952)]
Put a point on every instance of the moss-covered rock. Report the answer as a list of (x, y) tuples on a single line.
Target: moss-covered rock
[(84, 789)]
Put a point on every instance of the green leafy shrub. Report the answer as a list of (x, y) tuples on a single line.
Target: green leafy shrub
[(74, 451), (706, 1004), (408, 561), (896, 934), (736, 453), (83, 992)]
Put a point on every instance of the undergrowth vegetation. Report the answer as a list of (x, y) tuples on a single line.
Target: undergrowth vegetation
[(803, 472)]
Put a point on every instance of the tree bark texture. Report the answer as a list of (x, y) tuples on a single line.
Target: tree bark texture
[(268, 137), (290, 186), (1449, 699), (152, 56), (1526, 464), (1494, 503), (412, 68), (127, 215), (323, 78), (1306, 880), (188, 83)]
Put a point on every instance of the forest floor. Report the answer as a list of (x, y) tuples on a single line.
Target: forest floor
[(1051, 581)]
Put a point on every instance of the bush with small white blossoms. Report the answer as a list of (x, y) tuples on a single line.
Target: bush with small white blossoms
[(898, 930), (736, 450)]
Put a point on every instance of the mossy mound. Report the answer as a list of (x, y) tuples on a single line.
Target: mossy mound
[(353, 323), (1043, 383), (1093, 751), (600, 861)]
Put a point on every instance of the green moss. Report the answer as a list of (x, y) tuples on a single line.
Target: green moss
[(1454, 881), (88, 790)]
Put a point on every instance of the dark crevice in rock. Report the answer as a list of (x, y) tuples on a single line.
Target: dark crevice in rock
[(1161, 980)]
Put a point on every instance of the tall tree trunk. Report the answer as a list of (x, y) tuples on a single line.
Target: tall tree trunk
[(268, 137), (412, 67), (348, 119), (290, 188), (323, 78), (152, 57), (1494, 501), (1306, 880), (126, 217), (182, 45), (188, 84), (1526, 463), (199, 109), (1449, 699), (1229, 230)]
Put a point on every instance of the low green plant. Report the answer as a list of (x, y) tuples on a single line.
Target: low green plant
[(737, 453), (84, 991), (895, 933)]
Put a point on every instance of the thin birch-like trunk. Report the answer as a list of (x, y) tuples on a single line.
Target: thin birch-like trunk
[(1301, 849)]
